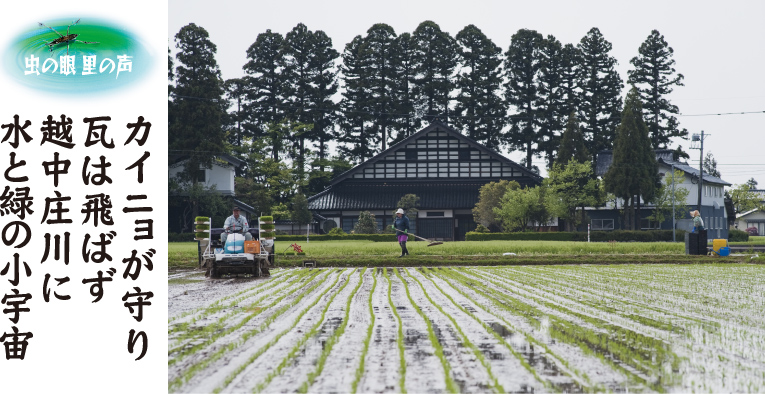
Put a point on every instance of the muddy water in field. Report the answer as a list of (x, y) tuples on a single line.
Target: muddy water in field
[(245, 334)]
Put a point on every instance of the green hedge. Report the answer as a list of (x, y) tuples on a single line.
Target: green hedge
[(182, 237), (347, 237), (595, 236), (738, 236)]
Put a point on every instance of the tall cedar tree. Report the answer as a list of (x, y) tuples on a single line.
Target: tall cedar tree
[(266, 101), (358, 141), (236, 91), (634, 172), (382, 56), (654, 76), (551, 98), (407, 123), (522, 66), (480, 109), (435, 58), (572, 146), (601, 86), (311, 80), (710, 165), (198, 109), (570, 70)]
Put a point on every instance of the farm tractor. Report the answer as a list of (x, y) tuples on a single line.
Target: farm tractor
[(237, 256)]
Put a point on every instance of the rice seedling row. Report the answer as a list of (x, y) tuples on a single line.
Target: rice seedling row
[(593, 328)]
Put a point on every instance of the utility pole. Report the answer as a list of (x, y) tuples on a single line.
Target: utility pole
[(674, 226), (699, 139)]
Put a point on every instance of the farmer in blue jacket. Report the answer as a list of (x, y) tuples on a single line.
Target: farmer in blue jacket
[(402, 229)]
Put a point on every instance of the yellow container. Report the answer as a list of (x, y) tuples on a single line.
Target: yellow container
[(252, 247), (719, 243)]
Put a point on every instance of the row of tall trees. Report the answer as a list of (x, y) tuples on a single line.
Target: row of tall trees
[(283, 116), (391, 83)]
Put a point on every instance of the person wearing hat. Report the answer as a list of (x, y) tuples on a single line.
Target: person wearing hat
[(401, 225), (235, 223), (698, 223)]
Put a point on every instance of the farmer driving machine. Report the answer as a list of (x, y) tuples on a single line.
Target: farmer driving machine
[(237, 255)]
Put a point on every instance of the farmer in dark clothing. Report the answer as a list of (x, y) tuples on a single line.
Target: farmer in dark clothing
[(402, 229)]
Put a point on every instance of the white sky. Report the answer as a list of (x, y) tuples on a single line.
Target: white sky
[(719, 48)]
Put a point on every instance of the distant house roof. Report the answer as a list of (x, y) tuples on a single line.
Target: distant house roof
[(606, 157), (177, 159)]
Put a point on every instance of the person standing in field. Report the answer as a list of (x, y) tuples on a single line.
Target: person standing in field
[(401, 226), (698, 223)]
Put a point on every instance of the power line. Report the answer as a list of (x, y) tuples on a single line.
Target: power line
[(726, 113)]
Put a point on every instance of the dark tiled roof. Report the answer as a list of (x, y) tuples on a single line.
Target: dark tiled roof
[(436, 125), (606, 157), (380, 196)]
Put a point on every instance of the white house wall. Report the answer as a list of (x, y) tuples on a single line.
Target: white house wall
[(219, 176)]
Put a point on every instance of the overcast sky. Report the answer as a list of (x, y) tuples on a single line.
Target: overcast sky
[(719, 48)]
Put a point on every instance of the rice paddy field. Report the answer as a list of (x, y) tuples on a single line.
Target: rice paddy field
[(565, 328)]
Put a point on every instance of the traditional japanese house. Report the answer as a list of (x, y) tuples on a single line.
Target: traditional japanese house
[(444, 168)]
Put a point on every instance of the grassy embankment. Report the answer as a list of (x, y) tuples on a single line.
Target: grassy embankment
[(383, 254)]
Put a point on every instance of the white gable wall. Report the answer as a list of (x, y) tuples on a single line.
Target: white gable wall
[(222, 177)]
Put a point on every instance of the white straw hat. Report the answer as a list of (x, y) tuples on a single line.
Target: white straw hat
[(401, 211)]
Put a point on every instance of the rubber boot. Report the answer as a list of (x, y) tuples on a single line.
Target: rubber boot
[(405, 251)]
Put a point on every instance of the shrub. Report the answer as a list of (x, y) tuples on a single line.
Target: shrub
[(180, 237), (281, 232), (481, 229), (266, 218), (740, 235), (267, 226), (366, 224), (348, 237), (267, 234), (752, 231), (595, 236), (201, 219), (336, 231)]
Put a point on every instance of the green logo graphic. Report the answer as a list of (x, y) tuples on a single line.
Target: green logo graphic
[(76, 56)]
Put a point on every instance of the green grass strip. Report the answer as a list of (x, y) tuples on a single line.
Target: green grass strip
[(399, 337), (190, 336), (451, 273), (495, 384), (216, 330), (293, 352), (281, 276), (191, 371), (332, 340), (370, 330), (451, 386)]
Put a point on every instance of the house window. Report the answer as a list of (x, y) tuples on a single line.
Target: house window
[(429, 214), (199, 176), (602, 224), (646, 224)]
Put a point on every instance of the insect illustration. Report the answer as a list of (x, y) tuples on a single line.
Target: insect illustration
[(65, 39)]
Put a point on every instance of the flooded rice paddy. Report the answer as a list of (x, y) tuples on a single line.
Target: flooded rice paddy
[(625, 328)]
